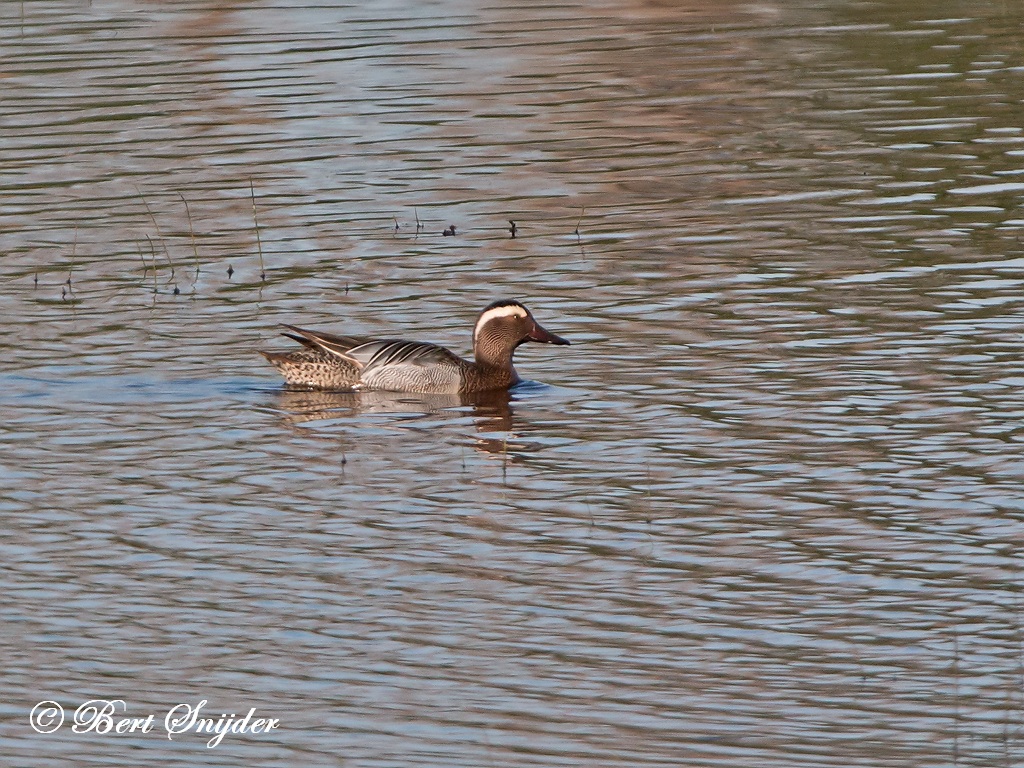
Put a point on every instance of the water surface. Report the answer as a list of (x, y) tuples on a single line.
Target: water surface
[(766, 510)]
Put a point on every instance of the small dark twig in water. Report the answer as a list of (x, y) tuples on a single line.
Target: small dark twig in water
[(152, 251), (346, 289), (159, 234), (170, 264), (579, 238), (512, 229), (145, 266), (35, 280), (255, 221), (396, 224), (191, 233), (450, 232), (149, 210), (74, 250), (419, 224), (171, 278), (231, 271)]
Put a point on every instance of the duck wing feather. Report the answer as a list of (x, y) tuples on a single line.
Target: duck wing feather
[(391, 353), (333, 344), (408, 366)]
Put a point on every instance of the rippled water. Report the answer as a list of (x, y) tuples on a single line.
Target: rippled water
[(766, 510)]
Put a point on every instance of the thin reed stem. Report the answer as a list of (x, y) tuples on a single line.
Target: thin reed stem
[(256, 223)]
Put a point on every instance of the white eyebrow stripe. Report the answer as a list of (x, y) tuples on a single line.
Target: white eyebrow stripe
[(511, 310)]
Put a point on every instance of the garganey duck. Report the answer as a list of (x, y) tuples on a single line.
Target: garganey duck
[(349, 362)]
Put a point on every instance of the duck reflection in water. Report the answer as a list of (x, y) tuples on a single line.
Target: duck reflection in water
[(491, 411)]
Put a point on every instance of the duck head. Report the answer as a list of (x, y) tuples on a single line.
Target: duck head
[(502, 327)]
